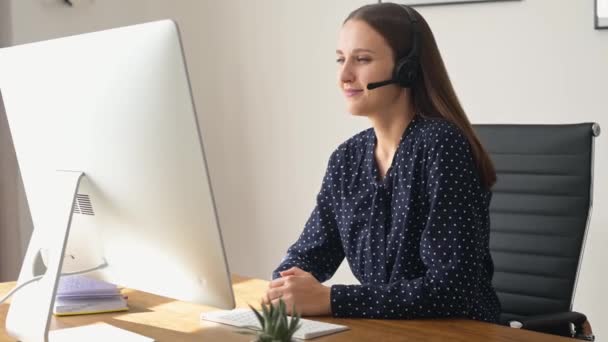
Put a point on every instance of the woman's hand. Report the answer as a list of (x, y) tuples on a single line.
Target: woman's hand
[(301, 288)]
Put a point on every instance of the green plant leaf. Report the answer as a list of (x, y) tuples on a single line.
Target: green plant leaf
[(274, 314), (268, 312), (294, 325), (258, 316)]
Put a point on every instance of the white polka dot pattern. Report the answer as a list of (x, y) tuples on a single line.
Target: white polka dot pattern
[(417, 240)]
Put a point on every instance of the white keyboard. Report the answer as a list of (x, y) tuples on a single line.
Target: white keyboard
[(245, 318)]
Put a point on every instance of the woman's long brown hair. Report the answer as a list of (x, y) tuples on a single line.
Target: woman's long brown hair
[(433, 94)]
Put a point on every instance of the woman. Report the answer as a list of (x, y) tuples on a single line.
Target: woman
[(406, 201)]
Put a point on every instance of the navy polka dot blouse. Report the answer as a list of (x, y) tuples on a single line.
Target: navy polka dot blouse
[(417, 240)]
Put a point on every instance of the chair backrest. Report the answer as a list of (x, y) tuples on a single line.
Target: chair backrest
[(539, 212)]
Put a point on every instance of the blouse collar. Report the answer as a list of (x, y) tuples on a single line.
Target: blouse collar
[(370, 162)]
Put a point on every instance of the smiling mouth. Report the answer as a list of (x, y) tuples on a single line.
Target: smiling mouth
[(353, 92)]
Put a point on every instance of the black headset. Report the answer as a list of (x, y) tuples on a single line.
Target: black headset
[(407, 68)]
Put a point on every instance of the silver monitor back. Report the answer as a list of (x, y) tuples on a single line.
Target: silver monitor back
[(117, 105)]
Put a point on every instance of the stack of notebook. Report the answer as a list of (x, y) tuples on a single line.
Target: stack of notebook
[(79, 295)]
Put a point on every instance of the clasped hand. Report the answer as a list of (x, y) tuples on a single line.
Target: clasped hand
[(301, 288)]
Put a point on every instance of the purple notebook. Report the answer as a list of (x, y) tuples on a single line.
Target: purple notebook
[(83, 286)]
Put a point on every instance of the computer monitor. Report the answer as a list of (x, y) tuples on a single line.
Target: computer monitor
[(109, 149)]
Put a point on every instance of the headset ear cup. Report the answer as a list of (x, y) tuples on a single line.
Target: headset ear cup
[(406, 72)]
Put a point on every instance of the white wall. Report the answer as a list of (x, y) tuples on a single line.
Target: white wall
[(269, 123), (278, 115), (537, 61), (263, 75)]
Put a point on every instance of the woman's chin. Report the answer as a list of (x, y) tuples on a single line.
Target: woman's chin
[(357, 111)]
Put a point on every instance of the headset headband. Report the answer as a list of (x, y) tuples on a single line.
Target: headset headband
[(414, 53)]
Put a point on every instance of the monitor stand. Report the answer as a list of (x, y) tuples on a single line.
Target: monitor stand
[(29, 314)]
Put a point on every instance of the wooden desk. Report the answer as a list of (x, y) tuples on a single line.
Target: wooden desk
[(166, 319)]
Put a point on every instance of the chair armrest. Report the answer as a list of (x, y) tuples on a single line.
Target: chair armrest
[(558, 324)]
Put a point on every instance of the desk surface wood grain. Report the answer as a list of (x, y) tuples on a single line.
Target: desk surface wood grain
[(165, 319)]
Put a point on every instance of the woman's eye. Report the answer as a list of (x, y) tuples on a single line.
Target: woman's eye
[(340, 60)]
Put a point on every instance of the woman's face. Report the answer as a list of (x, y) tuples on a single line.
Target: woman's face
[(364, 57)]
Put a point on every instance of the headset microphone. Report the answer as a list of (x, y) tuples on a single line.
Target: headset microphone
[(375, 85)]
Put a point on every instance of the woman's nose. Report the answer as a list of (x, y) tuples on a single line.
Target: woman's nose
[(346, 74)]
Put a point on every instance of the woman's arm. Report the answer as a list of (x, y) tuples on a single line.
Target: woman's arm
[(318, 250)]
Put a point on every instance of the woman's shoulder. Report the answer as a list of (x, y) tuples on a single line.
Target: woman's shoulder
[(436, 131), (353, 146)]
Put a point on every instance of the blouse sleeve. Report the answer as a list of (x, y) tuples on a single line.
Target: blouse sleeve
[(451, 245), (318, 250)]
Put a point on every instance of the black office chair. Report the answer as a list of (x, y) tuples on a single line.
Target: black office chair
[(539, 216)]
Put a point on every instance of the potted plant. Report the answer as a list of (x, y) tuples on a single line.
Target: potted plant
[(276, 325)]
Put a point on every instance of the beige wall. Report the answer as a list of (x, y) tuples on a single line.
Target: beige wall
[(5, 22), (263, 74), (9, 251)]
